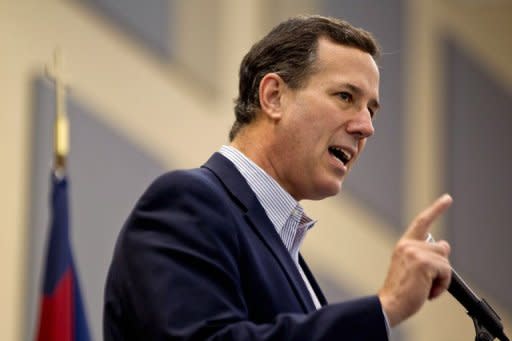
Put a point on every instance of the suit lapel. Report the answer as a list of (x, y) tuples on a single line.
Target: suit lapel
[(257, 218)]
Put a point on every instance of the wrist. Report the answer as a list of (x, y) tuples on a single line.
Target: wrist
[(390, 310)]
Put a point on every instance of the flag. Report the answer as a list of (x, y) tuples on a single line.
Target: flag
[(62, 315)]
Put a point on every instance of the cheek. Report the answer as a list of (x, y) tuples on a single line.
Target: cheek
[(361, 145), (309, 126)]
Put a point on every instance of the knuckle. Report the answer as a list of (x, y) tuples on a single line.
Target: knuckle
[(407, 250), (423, 262), (403, 247), (446, 247), (442, 248), (447, 273)]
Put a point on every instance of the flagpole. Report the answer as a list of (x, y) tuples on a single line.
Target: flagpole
[(61, 123), (62, 312)]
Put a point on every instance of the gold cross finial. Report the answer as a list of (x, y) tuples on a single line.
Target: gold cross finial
[(61, 127)]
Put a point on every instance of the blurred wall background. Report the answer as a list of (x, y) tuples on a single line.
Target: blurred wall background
[(151, 89)]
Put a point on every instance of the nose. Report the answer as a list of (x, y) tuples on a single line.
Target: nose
[(361, 125)]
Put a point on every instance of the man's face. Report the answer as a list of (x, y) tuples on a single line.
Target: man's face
[(325, 124)]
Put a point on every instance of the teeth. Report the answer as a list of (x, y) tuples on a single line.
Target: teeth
[(346, 154)]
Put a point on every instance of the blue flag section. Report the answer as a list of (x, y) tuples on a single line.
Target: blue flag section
[(62, 314)]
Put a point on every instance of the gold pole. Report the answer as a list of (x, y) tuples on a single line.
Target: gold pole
[(61, 124)]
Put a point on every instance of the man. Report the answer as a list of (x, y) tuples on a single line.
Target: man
[(213, 253)]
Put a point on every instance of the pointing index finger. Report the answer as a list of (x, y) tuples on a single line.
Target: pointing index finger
[(421, 224)]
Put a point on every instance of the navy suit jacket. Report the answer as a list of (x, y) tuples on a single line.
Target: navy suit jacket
[(198, 259)]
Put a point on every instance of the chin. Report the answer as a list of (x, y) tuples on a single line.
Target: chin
[(328, 190)]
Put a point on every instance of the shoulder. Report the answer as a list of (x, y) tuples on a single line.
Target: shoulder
[(199, 184), (187, 205), (184, 178), (194, 200)]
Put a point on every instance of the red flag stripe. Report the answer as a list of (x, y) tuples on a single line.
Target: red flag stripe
[(57, 312)]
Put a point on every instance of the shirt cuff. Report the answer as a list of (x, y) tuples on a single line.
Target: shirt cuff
[(388, 328)]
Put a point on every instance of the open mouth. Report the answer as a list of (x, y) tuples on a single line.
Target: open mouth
[(340, 154)]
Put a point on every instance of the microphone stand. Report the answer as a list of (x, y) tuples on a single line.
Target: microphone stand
[(482, 334), (487, 323)]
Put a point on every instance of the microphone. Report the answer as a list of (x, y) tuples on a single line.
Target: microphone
[(476, 307)]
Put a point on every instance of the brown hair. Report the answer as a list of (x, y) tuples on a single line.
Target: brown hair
[(290, 50)]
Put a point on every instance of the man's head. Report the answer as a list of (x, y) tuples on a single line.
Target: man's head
[(290, 50), (308, 92)]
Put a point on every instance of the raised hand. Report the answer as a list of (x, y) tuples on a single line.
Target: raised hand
[(418, 270)]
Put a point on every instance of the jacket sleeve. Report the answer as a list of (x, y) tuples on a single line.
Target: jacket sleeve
[(175, 276)]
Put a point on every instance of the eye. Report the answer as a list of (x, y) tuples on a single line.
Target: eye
[(345, 96)]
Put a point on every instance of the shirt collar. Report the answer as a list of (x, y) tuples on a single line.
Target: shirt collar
[(276, 201)]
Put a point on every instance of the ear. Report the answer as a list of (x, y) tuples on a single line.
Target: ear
[(270, 92)]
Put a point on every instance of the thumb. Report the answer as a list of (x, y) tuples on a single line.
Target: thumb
[(420, 226)]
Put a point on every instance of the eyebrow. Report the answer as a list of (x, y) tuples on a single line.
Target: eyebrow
[(357, 90)]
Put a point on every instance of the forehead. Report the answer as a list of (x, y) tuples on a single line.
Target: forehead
[(338, 63)]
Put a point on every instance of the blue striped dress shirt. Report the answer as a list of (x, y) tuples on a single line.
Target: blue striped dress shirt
[(285, 213)]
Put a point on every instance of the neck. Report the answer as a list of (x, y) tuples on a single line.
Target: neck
[(256, 144)]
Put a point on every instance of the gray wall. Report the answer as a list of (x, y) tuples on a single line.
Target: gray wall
[(478, 125), (146, 21)]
